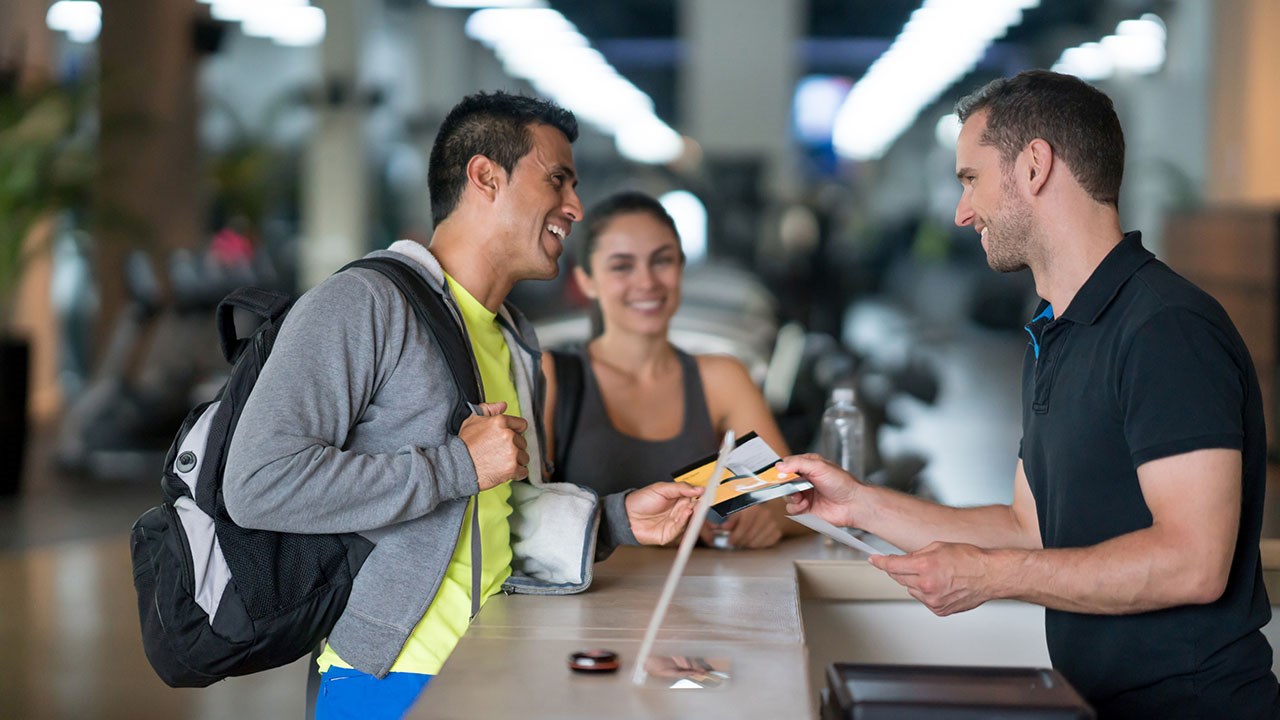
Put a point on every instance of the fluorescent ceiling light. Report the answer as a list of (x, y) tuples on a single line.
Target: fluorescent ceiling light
[(947, 131), (646, 139), (943, 41), (608, 105), (539, 45), (488, 3), (532, 61), (495, 27), (1089, 61), (1136, 48), (81, 20), (292, 23), (290, 26), (690, 216), (240, 10)]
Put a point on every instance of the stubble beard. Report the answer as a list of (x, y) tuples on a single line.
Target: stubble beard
[(1010, 234)]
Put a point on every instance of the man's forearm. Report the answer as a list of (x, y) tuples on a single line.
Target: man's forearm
[(911, 523), (1137, 572), (322, 489)]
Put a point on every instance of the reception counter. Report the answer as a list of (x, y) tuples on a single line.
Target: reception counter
[(778, 616)]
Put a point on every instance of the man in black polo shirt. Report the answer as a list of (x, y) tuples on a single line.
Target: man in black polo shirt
[(1138, 495)]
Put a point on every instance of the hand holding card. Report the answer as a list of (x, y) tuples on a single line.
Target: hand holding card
[(749, 478)]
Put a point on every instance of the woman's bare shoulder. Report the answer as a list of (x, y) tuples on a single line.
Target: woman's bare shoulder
[(724, 375)]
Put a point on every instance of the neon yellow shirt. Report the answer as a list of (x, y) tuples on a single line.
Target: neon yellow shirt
[(435, 636)]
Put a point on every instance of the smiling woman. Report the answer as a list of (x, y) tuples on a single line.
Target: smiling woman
[(647, 407)]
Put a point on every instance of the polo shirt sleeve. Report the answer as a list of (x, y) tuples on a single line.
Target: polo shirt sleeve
[(1181, 387)]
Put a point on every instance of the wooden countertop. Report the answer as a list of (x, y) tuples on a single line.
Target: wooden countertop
[(744, 606)]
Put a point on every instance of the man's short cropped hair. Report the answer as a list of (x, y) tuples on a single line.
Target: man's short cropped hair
[(1076, 119), (495, 125)]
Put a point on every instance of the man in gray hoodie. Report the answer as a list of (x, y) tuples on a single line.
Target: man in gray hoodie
[(349, 421)]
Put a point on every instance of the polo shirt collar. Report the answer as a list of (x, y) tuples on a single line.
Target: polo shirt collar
[(1111, 274)]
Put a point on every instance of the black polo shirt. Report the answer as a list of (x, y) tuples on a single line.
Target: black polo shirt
[(1143, 365)]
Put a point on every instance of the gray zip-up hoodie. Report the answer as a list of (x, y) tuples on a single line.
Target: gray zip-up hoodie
[(346, 431)]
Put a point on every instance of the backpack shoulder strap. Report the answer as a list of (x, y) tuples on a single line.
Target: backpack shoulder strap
[(429, 306), (569, 381), (266, 304)]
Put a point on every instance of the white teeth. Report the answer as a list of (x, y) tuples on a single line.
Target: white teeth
[(556, 230), (647, 305)]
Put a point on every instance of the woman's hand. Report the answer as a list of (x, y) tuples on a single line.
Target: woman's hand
[(758, 526)]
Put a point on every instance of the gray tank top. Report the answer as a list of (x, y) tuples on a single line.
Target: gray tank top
[(608, 461)]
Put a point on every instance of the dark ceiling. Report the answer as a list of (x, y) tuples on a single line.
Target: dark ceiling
[(843, 37)]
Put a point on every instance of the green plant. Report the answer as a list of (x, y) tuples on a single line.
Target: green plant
[(249, 172), (43, 167)]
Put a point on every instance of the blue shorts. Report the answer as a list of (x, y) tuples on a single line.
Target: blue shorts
[(347, 694)]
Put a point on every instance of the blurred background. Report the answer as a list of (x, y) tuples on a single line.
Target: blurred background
[(155, 154)]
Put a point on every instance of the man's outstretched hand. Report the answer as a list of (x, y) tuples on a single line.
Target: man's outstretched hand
[(833, 496), (658, 513)]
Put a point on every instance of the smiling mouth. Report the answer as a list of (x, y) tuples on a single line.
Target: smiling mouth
[(558, 231)]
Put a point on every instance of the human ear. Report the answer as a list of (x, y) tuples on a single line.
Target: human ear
[(483, 175), (1039, 163), (585, 283)]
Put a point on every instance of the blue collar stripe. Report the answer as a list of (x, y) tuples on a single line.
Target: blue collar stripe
[(1047, 316)]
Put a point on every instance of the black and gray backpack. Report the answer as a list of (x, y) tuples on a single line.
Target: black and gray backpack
[(215, 599)]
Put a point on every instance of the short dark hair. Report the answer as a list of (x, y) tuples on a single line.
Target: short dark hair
[(1076, 119), (599, 216), (495, 125)]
